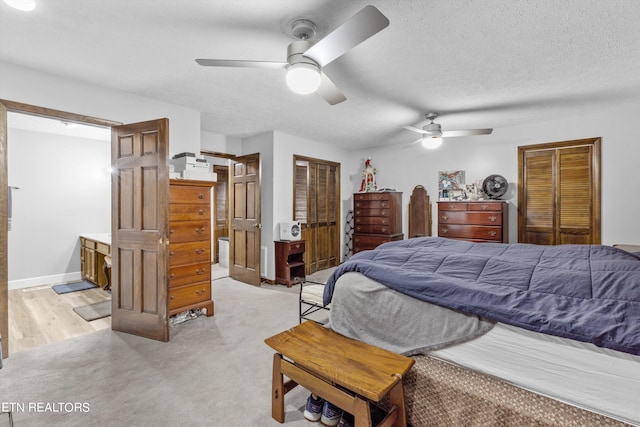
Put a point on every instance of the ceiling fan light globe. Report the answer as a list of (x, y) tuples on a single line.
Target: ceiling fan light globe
[(303, 78), (431, 142)]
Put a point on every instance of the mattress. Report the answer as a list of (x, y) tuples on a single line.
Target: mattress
[(581, 374)]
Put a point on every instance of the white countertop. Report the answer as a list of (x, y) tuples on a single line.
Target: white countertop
[(99, 237)]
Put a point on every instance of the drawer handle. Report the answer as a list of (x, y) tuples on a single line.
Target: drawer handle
[(484, 207), (200, 212), (171, 253), (493, 233), (493, 218), (200, 230), (202, 271), (298, 246), (383, 204), (172, 276), (357, 205), (200, 251), (357, 212), (200, 196), (358, 228), (171, 297), (444, 217), (201, 292), (451, 207), (444, 231)]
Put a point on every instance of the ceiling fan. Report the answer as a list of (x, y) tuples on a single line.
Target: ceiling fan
[(306, 58), (432, 133)]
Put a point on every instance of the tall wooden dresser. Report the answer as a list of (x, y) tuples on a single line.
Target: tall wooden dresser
[(190, 214), (477, 221), (377, 219)]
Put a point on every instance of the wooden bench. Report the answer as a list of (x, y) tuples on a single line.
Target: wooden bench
[(348, 373)]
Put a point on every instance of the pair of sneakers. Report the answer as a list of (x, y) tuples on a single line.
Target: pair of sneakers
[(319, 409)]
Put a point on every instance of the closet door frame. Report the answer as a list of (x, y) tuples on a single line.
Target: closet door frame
[(594, 185)]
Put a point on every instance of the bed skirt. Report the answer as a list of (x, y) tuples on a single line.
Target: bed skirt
[(439, 393)]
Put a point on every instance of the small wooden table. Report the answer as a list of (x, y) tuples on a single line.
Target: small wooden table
[(346, 372)]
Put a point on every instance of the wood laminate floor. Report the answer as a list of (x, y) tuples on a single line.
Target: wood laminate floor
[(39, 316)]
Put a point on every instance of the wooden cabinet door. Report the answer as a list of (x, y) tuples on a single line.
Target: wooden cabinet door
[(245, 229), (140, 210), (559, 193)]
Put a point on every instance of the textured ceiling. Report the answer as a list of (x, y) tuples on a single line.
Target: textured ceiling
[(480, 63)]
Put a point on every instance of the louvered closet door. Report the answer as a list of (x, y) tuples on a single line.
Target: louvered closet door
[(316, 206), (559, 193), (538, 206)]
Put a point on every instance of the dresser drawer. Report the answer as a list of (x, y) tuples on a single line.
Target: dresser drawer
[(189, 231), (365, 242), (186, 253), (189, 194), (452, 206), (470, 232), (188, 212), (372, 220), (186, 295), (372, 212), (359, 197), (372, 228), (296, 247), (470, 217), (372, 204), (486, 206), (189, 273)]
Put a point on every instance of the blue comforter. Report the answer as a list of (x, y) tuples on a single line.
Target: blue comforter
[(588, 293)]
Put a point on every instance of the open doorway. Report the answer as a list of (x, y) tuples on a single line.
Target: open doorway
[(59, 188), (15, 107)]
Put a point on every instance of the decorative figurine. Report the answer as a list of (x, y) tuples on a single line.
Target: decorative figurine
[(368, 177)]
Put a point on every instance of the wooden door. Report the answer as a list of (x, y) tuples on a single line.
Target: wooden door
[(245, 217), (559, 193), (316, 206), (139, 217)]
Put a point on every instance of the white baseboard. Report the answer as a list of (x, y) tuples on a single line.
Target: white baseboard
[(44, 280)]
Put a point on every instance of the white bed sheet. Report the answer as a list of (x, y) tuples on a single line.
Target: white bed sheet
[(581, 374)]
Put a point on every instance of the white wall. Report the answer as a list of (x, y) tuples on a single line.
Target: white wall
[(45, 90), (480, 156), (65, 190)]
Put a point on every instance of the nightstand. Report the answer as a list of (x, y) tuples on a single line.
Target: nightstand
[(289, 261)]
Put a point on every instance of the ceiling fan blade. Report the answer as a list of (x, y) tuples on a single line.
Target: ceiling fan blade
[(330, 91), (357, 29), (413, 143), (451, 133), (414, 129), (236, 63)]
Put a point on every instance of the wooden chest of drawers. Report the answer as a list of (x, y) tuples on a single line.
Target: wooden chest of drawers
[(477, 221), (377, 219), (190, 218)]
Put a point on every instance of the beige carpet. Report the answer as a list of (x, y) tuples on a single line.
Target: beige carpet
[(215, 371)]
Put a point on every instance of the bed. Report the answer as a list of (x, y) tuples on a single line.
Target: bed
[(502, 334)]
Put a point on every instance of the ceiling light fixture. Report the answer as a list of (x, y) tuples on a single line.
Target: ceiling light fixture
[(303, 78), (431, 142), (24, 5)]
